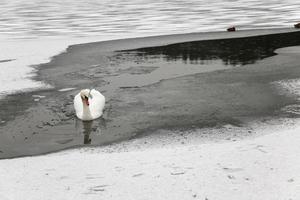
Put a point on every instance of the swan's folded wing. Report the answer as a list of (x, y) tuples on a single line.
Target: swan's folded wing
[(97, 103)]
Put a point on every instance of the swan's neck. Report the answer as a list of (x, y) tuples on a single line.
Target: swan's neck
[(86, 114)]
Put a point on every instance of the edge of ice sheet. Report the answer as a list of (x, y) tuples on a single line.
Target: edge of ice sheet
[(21, 56)]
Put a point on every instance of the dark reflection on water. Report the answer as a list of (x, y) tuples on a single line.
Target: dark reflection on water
[(238, 51), (87, 129), (90, 129)]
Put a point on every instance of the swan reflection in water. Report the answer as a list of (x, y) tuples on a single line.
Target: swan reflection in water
[(89, 128)]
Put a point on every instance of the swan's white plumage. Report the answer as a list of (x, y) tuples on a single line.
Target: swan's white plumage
[(95, 108)]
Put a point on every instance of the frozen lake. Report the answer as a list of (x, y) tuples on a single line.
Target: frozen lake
[(33, 31)]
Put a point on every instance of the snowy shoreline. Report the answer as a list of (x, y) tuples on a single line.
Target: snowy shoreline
[(264, 167)]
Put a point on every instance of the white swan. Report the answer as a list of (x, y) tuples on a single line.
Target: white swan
[(89, 104)]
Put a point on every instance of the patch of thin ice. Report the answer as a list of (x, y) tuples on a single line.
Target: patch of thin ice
[(66, 89), (289, 50), (38, 96), (289, 87)]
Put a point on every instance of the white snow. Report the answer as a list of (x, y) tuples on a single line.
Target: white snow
[(16, 75), (21, 57), (265, 167)]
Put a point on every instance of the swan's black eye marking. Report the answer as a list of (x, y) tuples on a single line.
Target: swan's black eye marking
[(84, 98)]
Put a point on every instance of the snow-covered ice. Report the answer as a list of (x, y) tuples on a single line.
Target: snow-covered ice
[(265, 167)]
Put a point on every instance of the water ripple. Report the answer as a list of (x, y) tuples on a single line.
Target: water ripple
[(24, 19)]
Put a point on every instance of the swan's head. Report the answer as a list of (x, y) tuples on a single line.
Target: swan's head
[(84, 94)]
